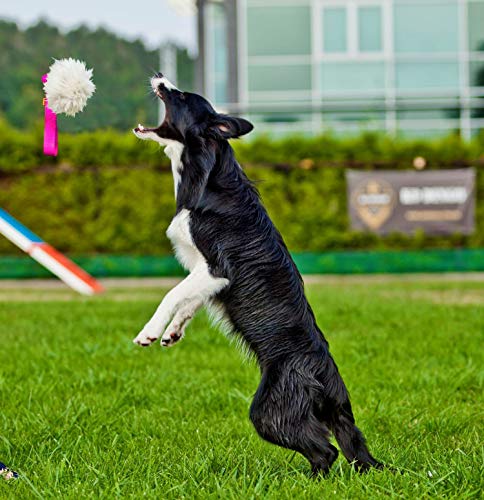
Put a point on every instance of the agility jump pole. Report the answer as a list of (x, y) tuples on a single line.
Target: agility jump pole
[(57, 263)]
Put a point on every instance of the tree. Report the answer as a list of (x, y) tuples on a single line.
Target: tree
[(121, 72)]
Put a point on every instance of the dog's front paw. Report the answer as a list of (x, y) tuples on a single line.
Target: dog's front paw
[(146, 337), (171, 337)]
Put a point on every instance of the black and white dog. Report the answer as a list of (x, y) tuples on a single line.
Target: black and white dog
[(239, 265)]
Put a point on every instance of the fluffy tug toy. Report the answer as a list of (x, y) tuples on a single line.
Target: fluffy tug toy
[(67, 88)]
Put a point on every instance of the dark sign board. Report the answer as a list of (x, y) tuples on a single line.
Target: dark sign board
[(436, 201)]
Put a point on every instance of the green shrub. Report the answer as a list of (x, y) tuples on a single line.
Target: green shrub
[(109, 193)]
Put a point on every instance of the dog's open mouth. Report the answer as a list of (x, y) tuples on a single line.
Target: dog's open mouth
[(142, 129), (155, 83)]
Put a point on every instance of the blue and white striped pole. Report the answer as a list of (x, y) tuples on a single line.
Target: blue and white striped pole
[(48, 256)]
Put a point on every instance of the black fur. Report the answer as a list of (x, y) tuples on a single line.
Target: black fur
[(302, 398)]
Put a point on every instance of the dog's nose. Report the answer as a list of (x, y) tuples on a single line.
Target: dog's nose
[(159, 74)]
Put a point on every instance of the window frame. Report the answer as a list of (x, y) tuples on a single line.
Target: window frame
[(352, 31)]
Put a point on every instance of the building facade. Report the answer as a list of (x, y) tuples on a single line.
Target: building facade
[(414, 67)]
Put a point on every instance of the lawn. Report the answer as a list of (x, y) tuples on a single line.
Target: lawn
[(87, 414)]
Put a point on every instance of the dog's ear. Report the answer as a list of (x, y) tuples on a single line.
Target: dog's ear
[(228, 127)]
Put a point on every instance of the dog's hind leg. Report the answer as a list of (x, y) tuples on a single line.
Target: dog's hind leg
[(282, 414), (315, 446), (351, 440)]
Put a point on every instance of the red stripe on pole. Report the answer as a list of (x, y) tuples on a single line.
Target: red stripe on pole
[(70, 266)]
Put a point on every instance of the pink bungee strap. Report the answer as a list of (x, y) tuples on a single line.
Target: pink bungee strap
[(50, 128)]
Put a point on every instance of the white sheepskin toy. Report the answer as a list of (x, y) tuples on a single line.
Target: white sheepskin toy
[(68, 86)]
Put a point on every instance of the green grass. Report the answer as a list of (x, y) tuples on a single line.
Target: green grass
[(86, 414)]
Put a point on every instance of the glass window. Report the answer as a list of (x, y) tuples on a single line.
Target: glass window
[(360, 117), (281, 117), (283, 77), (219, 37), (426, 27), (220, 91), (477, 107), (425, 133), (370, 29), (217, 42), (428, 114), (352, 76), (334, 29), (427, 75), (280, 30), (476, 26), (281, 124), (300, 100), (354, 121), (477, 73)]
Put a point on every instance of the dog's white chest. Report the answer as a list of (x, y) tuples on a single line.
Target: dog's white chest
[(179, 234), (174, 151)]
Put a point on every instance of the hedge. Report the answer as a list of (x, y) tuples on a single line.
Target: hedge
[(109, 193)]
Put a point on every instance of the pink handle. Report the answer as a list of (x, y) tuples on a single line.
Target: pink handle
[(50, 128)]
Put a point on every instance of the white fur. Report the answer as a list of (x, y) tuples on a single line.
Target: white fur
[(178, 233), (68, 86), (219, 318), (173, 149), (149, 134), (182, 302), (156, 82)]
